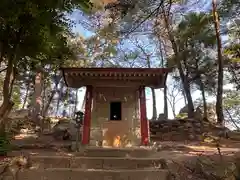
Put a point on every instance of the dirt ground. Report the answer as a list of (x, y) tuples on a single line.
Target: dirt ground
[(166, 149)]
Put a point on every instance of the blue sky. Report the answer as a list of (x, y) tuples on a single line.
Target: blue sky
[(159, 92), (76, 16), (205, 6), (78, 28)]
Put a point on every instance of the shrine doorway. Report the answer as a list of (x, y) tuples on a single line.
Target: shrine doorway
[(115, 111)]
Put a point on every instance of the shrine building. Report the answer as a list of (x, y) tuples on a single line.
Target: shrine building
[(115, 103)]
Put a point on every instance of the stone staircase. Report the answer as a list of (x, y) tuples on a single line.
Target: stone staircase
[(96, 164)]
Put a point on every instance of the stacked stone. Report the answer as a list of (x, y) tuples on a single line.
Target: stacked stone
[(178, 129)]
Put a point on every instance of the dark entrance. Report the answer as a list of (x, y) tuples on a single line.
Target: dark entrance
[(116, 111)]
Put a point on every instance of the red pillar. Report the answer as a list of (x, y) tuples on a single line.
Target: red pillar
[(143, 116), (87, 116)]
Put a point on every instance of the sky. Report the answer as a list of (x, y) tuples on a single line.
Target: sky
[(76, 16), (159, 92)]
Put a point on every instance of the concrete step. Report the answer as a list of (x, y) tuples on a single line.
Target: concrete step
[(116, 152), (44, 162), (91, 174)]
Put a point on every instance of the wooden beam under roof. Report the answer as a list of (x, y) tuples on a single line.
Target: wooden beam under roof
[(78, 77)]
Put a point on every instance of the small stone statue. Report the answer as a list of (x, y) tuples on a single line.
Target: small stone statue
[(79, 121)]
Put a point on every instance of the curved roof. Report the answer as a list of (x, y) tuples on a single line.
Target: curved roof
[(78, 77)]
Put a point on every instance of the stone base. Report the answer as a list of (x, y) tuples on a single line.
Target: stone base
[(110, 137)]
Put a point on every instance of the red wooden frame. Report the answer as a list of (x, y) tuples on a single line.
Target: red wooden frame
[(87, 116), (143, 117)]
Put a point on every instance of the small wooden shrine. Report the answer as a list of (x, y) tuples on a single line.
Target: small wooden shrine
[(115, 103)]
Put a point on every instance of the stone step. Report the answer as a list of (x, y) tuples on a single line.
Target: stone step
[(89, 151), (116, 152), (91, 174), (96, 162)]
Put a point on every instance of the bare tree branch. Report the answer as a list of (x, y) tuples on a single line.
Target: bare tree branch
[(156, 10), (4, 69)]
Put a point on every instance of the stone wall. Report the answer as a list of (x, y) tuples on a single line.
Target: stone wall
[(182, 129)]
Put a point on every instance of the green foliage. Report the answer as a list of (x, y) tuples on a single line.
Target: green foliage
[(196, 27), (195, 40), (233, 52), (34, 35), (85, 5), (231, 104), (232, 98), (181, 116), (35, 29), (229, 8)]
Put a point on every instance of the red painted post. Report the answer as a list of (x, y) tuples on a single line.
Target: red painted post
[(143, 116), (87, 116)]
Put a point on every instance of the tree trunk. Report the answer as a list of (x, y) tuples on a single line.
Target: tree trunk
[(180, 69), (26, 96), (165, 112), (219, 108), (7, 91), (161, 53), (46, 107), (37, 100), (44, 96), (76, 99), (165, 98), (58, 106), (51, 98), (188, 96), (154, 115), (205, 111), (184, 97), (174, 111), (4, 46), (172, 105), (59, 97), (9, 80)]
